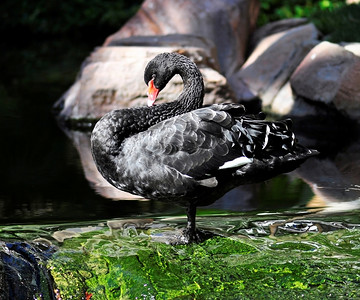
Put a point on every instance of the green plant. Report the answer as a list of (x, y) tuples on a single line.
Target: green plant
[(339, 25), (273, 10)]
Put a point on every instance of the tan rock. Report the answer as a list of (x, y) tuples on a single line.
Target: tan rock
[(112, 78), (226, 23), (183, 41), (330, 74), (284, 101), (272, 62), (352, 47), (275, 27), (287, 104)]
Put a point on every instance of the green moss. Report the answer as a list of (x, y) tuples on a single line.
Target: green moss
[(299, 265), (293, 246)]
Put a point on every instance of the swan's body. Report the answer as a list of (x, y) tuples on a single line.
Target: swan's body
[(186, 154)]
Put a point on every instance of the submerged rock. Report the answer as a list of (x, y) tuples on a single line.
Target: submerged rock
[(335, 179), (23, 272), (298, 261), (81, 141)]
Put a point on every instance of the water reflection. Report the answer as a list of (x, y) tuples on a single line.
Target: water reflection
[(329, 181), (81, 141), (335, 178), (244, 198)]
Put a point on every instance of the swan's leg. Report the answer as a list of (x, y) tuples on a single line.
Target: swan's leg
[(191, 234), (191, 222)]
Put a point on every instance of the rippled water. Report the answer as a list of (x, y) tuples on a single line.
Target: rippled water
[(295, 253)]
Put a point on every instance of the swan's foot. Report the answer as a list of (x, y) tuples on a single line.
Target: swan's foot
[(195, 236), (190, 233)]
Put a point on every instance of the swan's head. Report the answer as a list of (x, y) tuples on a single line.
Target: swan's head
[(158, 73)]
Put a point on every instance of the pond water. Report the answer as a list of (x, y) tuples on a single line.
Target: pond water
[(50, 191)]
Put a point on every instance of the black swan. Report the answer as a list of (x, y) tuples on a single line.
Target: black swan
[(185, 154)]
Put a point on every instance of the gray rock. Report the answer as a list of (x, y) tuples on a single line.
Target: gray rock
[(23, 273), (226, 23), (272, 62), (274, 27), (330, 74)]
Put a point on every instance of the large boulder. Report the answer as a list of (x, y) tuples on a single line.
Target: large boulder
[(330, 74), (208, 55), (112, 78), (272, 62), (226, 23), (274, 27)]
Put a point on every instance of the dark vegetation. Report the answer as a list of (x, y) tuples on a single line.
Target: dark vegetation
[(98, 18), (336, 20), (71, 18), (273, 10)]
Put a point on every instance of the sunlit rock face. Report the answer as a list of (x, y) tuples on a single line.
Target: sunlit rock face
[(282, 65), (225, 23), (330, 74), (214, 34), (272, 62), (112, 78)]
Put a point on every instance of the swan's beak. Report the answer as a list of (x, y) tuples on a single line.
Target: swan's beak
[(152, 93)]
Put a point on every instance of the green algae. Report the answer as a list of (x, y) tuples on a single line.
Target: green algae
[(305, 265), (256, 256)]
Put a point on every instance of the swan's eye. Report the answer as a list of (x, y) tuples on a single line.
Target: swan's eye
[(153, 76)]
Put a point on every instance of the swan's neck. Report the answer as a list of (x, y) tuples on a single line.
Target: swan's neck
[(193, 93), (117, 125)]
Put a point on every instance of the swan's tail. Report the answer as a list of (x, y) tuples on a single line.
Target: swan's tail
[(256, 136)]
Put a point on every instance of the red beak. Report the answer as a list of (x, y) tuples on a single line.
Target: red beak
[(152, 93)]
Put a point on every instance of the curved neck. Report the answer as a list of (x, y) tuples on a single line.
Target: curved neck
[(193, 93), (190, 98), (117, 125)]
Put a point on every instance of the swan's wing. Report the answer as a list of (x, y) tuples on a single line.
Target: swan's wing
[(200, 142)]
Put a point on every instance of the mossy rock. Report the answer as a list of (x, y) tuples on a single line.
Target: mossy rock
[(111, 266)]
